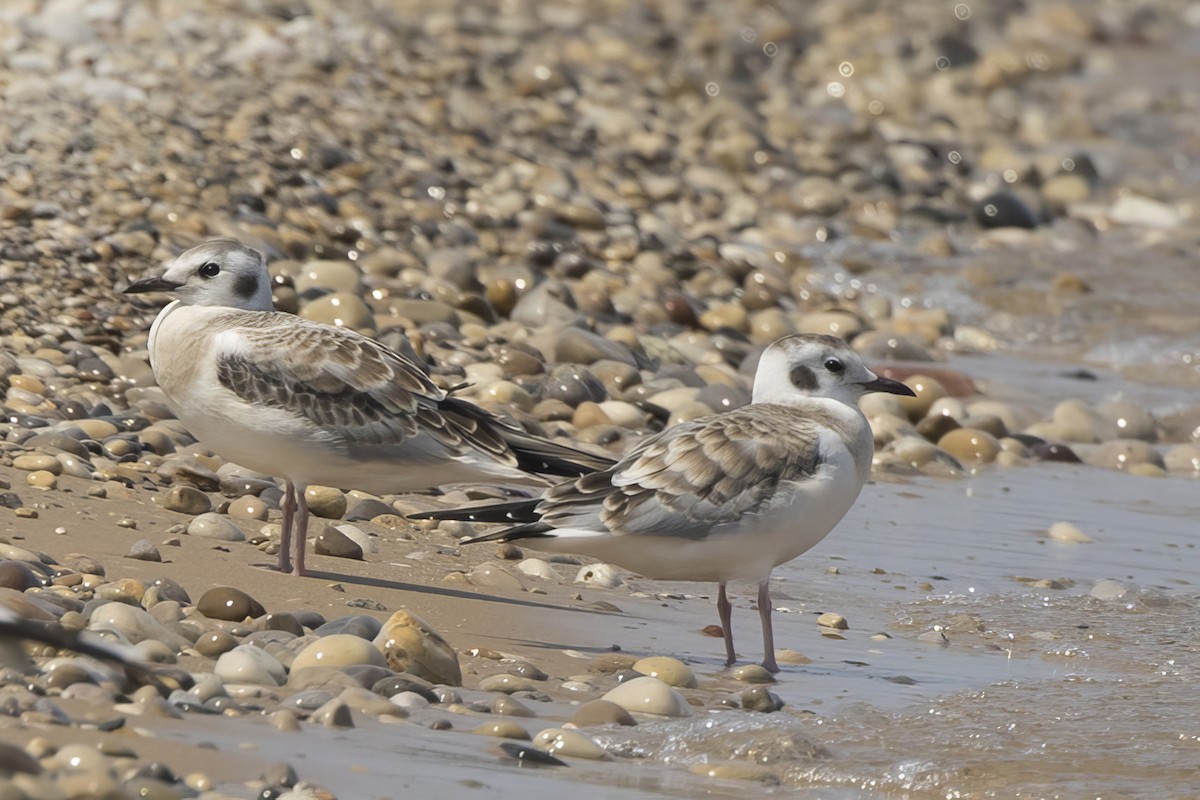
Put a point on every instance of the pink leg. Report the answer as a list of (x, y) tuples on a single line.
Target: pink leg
[(725, 612), (301, 542), (764, 613), (289, 518)]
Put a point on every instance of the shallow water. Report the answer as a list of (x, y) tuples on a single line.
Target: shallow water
[(958, 677)]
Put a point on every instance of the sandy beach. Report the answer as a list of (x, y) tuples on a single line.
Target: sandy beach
[(597, 216)]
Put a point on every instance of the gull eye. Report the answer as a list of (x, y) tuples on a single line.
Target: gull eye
[(210, 270), (835, 366)]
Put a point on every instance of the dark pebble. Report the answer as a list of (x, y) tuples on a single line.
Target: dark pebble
[(368, 509), (282, 622), (573, 385), (1004, 210), (395, 684), (332, 542), (360, 625), (13, 759), (309, 619), (761, 699), (308, 700), (227, 603), (144, 550), (18, 575), (528, 754), (10, 500), (367, 675), (169, 589), (1049, 451)]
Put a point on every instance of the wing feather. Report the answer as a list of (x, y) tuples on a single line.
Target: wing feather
[(358, 392), (694, 476)]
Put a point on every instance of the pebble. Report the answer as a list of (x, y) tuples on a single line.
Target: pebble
[(489, 575), (670, 671), (756, 673), (228, 603), (503, 729), (212, 525), (325, 501), (186, 500), (601, 712), (1108, 589), (604, 576), (832, 620), (410, 644), (647, 695), (969, 444), (333, 542), (760, 698), (338, 650), (249, 664), (508, 684), (143, 550), (1067, 532), (563, 742), (135, 624)]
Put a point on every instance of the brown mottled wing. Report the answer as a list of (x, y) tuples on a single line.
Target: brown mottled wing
[(693, 477), (358, 392)]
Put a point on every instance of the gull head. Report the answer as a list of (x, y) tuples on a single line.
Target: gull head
[(810, 365), (220, 272)]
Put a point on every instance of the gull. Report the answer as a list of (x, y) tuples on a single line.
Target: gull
[(721, 498), (318, 404)]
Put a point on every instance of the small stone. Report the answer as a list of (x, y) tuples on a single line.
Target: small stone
[(503, 729), (508, 684), (759, 698), (489, 575), (601, 712), (186, 500), (648, 695), (506, 706), (411, 645), (333, 542), (1108, 589), (1004, 210), (753, 673), (33, 462), (214, 643), (604, 576), (338, 650), (735, 771), (249, 664), (248, 507), (325, 501), (144, 550), (560, 741), (832, 620), (334, 714), (670, 671), (42, 479), (228, 603), (1067, 532), (212, 525), (970, 444), (284, 720)]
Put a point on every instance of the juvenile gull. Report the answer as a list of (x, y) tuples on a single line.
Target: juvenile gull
[(725, 497), (317, 404)]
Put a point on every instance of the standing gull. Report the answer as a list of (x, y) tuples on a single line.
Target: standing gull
[(725, 497), (317, 404)]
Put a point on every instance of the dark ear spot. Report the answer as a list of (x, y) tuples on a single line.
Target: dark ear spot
[(246, 285), (803, 378)]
